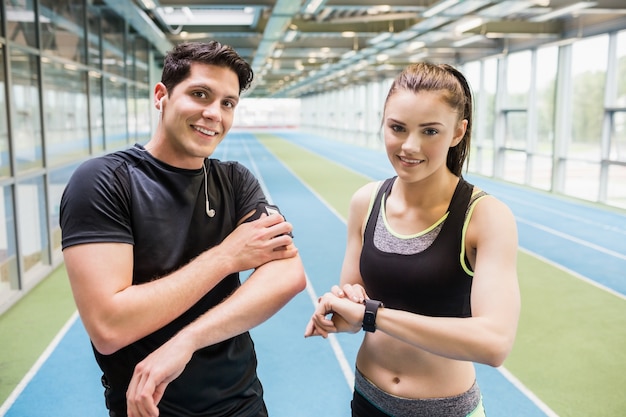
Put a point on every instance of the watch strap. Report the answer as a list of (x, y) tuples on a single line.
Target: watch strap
[(369, 316)]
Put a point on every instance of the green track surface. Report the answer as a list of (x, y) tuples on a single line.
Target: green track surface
[(571, 344), (29, 326), (332, 182), (570, 349)]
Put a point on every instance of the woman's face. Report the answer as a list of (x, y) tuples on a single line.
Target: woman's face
[(419, 129)]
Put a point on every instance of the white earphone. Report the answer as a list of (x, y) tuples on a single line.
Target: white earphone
[(160, 108)]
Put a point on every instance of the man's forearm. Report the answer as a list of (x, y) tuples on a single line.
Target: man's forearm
[(265, 292)]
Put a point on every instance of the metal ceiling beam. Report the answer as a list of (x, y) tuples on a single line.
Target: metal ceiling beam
[(142, 23), (282, 14)]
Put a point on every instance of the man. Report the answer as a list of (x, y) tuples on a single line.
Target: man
[(153, 240)]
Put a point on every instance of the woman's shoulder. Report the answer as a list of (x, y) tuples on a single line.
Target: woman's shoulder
[(366, 193), (487, 208)]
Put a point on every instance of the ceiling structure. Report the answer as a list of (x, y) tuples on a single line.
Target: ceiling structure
[(301, 47)]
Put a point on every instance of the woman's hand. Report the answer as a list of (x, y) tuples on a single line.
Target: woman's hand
[(345, 307)]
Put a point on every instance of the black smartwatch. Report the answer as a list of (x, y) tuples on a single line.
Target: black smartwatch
[(369, 318)]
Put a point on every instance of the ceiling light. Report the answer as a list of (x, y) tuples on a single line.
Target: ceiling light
[(418, 57), (148, 4), (404, 36), (510, 7), (313, 6), (379, 9), (439, 7), (187, 12), (206, 16), (379, 38), (290, 35), (468, 24), (415, 45), (468, 40), (348, 34), (571, 9)]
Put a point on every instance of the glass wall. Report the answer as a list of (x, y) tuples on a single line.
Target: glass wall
[(545, 95), (584, 140), (25, 110), (616, 124), (9, 281), (74, 68), (552, 117), (5, 163), (65, 111)]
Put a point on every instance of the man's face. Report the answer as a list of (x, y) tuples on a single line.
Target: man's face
[(197, 114)]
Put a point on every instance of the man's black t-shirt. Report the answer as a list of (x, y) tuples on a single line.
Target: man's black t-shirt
[(130, 197)]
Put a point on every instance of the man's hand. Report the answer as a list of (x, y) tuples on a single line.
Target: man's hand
[(255, 243), (154, 373)]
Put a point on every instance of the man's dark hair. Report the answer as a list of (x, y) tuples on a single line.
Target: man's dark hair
[(177, 63)]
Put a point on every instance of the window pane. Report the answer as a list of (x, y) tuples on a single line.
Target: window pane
[(589, 63), (65, 112), (472, 74), (96, 112), (58, 180), (21, 22), (32, 223), (144, 110), (132, 113), (26, 126), (8, 259), (547, 63), (516, 130), (514, 166), (621, 69), (541, 172), (617, 186), (618, 137), (582, 179), (113, 35), (141, 73), (490, 77), (94, 57), (115, 114), (5, 158), (62, 29), (518, 79)]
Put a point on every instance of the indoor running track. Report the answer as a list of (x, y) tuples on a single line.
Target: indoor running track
[(313, 377)]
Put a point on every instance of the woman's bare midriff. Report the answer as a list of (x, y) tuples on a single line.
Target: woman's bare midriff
[(406, 371)]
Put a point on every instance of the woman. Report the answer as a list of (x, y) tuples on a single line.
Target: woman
[(433, 259)]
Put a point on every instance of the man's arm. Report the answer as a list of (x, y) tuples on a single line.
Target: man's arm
[(265, 292), (117, 313)]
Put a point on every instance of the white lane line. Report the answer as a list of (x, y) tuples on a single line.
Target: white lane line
[(528, 393), (573, 239), (574, 273), (38, 364), (590, 220), (344, 365)]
